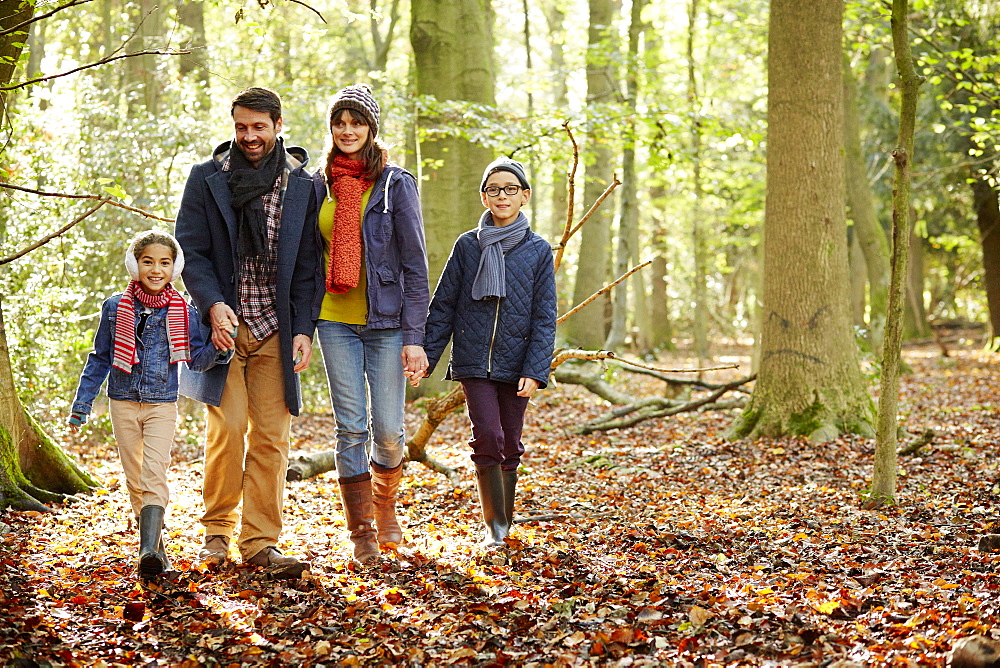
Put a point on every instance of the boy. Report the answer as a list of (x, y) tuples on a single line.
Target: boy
[(496, 300)]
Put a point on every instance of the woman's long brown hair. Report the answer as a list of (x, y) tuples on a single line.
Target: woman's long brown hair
[(373, 153)]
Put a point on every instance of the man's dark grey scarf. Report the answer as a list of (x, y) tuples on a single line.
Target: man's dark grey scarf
[(248, 186), (494, 242)]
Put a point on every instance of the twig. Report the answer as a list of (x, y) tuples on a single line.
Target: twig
[(22, 24), (606, 423), (607, 191), (602, 290), (571, 195), (655, 373), (100, 198), (312, 9), (45, 240), (922, 440), (572, 354), (102, 61)]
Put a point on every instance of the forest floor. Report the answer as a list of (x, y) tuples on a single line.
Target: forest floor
[(665, 544)]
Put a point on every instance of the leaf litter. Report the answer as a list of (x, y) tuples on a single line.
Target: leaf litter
[(660, 544)]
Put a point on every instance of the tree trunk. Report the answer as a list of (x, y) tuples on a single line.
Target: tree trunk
[(191, 14), (453, 54), (699, 291), (810, 381), (856, 262), (884, 475), (988, 218), (453, 50), (142, 70), (588, 327), (861, 204), (660, 330), (33, 469), (628, 226), (915, 324), (12, 13), (559, 201)]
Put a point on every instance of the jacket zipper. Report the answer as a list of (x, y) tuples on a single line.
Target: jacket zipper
[(493, 337)]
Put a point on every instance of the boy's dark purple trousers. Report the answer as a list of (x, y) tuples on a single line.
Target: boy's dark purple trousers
[(497, 416)]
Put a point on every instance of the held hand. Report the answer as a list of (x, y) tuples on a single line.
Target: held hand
[(527, 387), (301, 352), (223, 321), (414, 362), (75, 421)]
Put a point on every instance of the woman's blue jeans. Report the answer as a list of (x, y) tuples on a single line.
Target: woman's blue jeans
[(367, 391)]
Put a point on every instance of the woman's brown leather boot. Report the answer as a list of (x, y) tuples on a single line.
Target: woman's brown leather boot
[(359, 514), (385, 485)]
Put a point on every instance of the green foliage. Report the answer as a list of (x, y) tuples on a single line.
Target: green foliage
[(93, 133)]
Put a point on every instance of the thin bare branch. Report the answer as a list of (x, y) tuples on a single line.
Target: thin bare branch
[(102, 61), (607, 191), (570, 196), (602, 290), (312, 9), (575, 354), (633, 418), (50, 237), (25, 24), (100, 198)]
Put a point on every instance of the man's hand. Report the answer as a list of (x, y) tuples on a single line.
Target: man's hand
[(527, 387), (414, 363), (223, 321), (302, 347)]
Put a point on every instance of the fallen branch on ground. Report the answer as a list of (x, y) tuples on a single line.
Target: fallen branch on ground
[(634, 413), (918, 443)]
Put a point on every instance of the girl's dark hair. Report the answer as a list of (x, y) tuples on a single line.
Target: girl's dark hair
[(374, 153), (140, 241)]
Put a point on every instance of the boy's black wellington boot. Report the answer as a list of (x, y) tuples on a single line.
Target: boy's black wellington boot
[(509, 487), (491, 498), (151, 562), (161, 549)]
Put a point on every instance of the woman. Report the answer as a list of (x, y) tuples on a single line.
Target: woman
[(371, 312)]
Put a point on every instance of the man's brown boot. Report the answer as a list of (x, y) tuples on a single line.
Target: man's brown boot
[(359, 514), (278, 565), (215, 551), (385, 485)]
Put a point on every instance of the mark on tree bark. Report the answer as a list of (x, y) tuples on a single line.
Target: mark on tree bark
[(796, 353)]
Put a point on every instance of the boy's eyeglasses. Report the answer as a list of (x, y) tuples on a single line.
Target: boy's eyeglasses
[(493, 191)]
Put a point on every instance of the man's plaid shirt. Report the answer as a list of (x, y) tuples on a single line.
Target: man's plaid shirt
[(258, 294)]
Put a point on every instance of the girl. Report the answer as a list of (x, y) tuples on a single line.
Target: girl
[(371, 312), (496, 300), (144, 332)]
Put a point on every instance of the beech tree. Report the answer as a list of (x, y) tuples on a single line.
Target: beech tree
[(588, 327), (453, 54), (810, 381)]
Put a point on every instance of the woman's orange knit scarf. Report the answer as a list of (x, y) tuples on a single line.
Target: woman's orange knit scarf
[(345, 237)]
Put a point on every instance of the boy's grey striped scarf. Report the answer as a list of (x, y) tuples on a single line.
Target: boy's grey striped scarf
[(494, 242)]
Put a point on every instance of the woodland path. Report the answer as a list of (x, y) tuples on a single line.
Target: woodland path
[(665, 545)]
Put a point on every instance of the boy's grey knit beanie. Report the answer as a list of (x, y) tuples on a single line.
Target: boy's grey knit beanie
[(359, 98), (504, 164)]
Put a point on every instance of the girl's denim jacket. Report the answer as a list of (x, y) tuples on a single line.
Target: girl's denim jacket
[(154, 379)]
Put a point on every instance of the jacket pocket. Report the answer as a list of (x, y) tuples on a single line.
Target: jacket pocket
[(390, 293)]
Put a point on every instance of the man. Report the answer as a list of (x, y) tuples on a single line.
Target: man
[(247, 224)]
